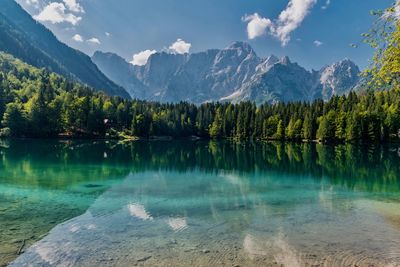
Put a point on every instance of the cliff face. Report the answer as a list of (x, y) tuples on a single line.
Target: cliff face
[(234, 74)]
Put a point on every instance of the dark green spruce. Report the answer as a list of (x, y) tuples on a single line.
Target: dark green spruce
[(37, 103)]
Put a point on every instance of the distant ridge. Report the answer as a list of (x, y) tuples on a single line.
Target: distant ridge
[(30, 41), (234, 74)]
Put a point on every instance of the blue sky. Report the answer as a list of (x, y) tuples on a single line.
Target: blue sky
[(311, 32)]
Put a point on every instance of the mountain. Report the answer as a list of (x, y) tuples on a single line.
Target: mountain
[(337, 78), (233, 74), (117, 69), (279, 80), (28, 40)]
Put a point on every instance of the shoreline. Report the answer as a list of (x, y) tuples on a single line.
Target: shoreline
[(198, 138)]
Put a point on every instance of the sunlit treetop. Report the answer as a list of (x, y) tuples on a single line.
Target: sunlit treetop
[(384, 37)]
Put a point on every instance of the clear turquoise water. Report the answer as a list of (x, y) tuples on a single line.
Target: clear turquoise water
[(185, 203)]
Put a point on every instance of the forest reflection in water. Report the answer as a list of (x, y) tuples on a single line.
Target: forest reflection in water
[(248, 191), (367, 167)]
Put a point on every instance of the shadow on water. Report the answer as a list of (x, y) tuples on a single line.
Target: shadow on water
[(46, 182)]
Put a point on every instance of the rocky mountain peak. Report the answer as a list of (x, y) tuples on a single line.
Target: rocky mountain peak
[(241, 46), (338, 77), (99, 55), (236, 52), (267, 63), (345, 67), (236, 74), (285, 60)]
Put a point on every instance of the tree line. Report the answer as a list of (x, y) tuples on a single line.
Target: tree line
[(37, 103)]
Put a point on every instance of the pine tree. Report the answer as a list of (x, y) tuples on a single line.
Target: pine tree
[(141, 125), (297, 129), (307, 131), (326, 129), (340, 133), (216, 127), (353, 128), (15, 119), (280, 131), (290, 129)]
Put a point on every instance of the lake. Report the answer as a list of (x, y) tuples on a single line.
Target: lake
[(198, 203)]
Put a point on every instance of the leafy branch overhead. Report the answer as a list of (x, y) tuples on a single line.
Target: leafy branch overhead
[(384, 37)]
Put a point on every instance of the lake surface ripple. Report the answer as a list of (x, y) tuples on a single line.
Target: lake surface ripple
[(198, 203)]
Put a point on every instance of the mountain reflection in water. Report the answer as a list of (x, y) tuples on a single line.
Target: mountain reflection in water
[(199, 203)]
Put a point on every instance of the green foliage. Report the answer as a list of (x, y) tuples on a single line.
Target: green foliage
[(340, 121), (384, 37), (141, 125), (30, 41), (327, 127), (14, 119), (36, 103), (270, 126), (280, 131), (216, 127), (353, 129), (5, 132), (308, 128), (294, 129)]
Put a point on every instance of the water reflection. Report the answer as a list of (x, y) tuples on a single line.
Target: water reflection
[(139, 211), (201, 203), (346, 165)]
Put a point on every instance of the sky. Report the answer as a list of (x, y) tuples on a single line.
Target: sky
[(313, 33)]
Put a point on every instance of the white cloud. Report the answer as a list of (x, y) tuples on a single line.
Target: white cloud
[(327, 3), (73, 6), (93, 40), (180, 47), (288, 21), (107, 34), (257, 25), (291, 18), (77, 38), (397, 9), (140, 59), (318, 43), (56, 13), (34, 3)]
